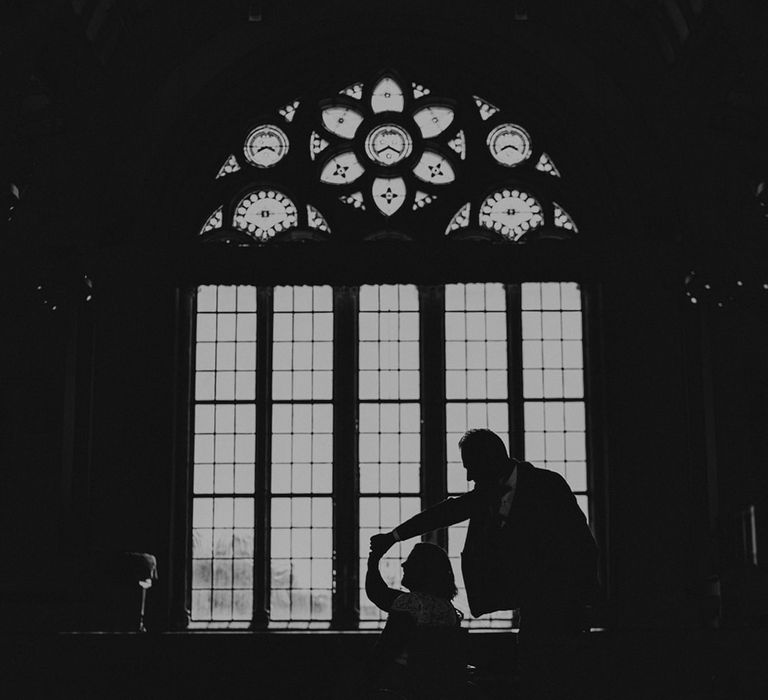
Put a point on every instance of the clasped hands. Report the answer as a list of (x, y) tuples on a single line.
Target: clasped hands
[(380, 545)]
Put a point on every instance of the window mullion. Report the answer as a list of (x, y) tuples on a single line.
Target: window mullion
[(262, 505), (346, 612), (432, 363), (515, 371)]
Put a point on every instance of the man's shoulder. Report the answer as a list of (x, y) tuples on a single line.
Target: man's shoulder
[(544, 478)]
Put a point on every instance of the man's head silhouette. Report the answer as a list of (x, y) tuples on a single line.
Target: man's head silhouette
[(484, 456)]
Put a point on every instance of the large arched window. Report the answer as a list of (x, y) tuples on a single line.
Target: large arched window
[(325, 413)]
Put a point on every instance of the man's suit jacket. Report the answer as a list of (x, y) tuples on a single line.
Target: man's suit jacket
[(542, 557)]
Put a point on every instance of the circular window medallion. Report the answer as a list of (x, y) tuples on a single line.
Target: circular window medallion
[(266, 145), (388, 144), (509, 144)]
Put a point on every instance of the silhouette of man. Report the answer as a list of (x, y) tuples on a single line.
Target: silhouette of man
[(529, 547)]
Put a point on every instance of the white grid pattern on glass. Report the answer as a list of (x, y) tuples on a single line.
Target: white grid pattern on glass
[(301, 535), (389, 343), (553, 382), (475, 342), (476, 368), (389, 426), (224, 455)]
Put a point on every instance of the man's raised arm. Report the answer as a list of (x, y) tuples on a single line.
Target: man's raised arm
[(447, 512)]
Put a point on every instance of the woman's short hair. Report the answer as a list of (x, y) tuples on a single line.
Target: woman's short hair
[(430, 571)]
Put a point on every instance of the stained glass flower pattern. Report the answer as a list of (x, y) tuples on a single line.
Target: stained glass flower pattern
[(387, 96), (486, 109), (265, 213), (317, 144), (266, 146), (355, 200), (421, 199), (343, 168), (460, 219), (289, 111), (545, 165), (433, 120), (563, 219), (214, 221), (230, 166), (388, 194), (388, 144), (342, 121), (434, 168), (511, 212), (355, 91), (509, 144), (316, 220), (391, 147), (459, 144)]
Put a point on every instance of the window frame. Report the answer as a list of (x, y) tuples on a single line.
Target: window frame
[(432, 401)]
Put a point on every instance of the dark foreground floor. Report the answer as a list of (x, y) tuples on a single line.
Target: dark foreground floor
[(642, 664)]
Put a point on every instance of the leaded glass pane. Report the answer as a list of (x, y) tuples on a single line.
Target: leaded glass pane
[(389, 439), (301, 481), (223, 475), (554, 408), (485, 108), (230, 166), (388, 194), (387, 96), (509, 144), (342, 121), (546, 165), (388, 144), (433, 120), (264, 213), (563, 219), (316, 220), (459, 144), (214, 221), (421, 199), (342, 169), (511, 212), (434, 168), (266, 146)]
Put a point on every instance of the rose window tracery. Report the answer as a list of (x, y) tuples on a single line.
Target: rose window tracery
[(387, 150)]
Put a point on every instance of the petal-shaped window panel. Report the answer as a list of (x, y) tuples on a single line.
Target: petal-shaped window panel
[(434, 168), (511, 213), (354, 200), (459, 144), (341, 169), (316, 220), (387, 96), (214, 221), (354, 91), (486, 109), (316, 144), (266, 146), (289, 111), (264, 213), (460, 219), (388, 194), (342, 121), (563, 218), (421, 199), (433, 120), (509, 144), (230, 166), (546, 165)]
